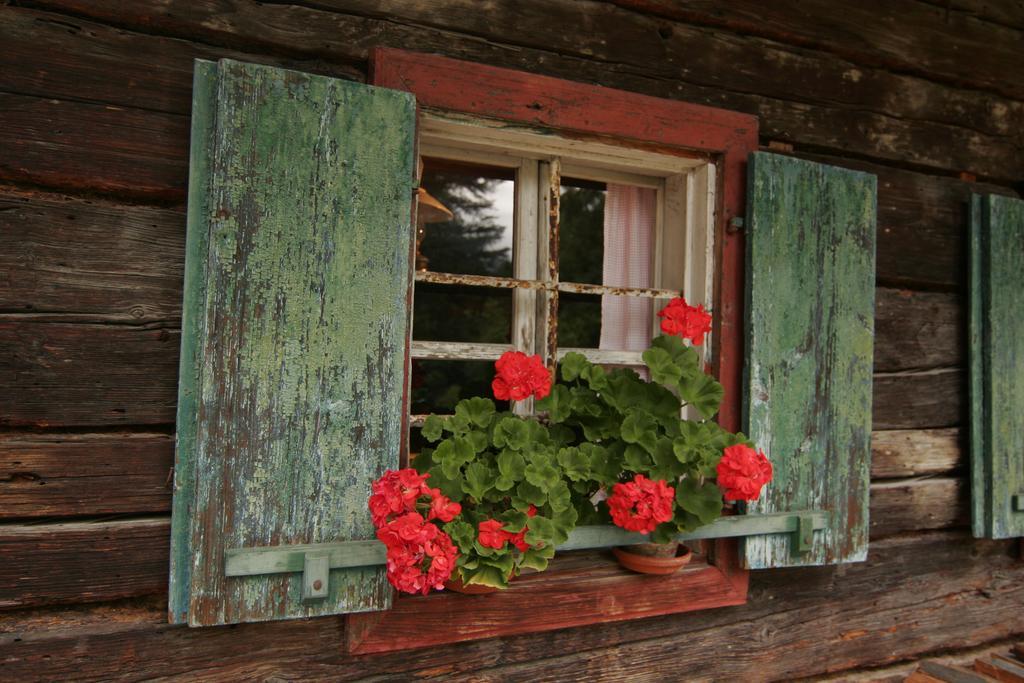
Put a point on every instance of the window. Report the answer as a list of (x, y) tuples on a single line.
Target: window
[(522, 264), (293, 392)]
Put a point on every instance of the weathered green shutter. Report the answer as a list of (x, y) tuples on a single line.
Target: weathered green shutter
[(997, 366), (809, 342), (295, 333)]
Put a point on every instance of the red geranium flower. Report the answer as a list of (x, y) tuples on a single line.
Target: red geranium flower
[(520, 376), (683, 320), (519, 539), (395, 493), (742, 472), (492, 535), (642, 504), (419, 555), (441, 507)]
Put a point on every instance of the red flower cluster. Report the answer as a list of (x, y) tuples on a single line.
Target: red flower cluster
[(493, 536), (742, 472), (419, 555), (683, 320), (399, 492), (642, 504), (520, 376)]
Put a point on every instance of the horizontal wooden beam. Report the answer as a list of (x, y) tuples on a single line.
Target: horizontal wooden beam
[(900, 604)]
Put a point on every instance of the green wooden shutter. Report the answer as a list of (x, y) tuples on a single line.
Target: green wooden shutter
[(809, 343), (295, 333), (997, 366)]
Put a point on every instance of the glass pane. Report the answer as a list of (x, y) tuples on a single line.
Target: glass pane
[(478, 238), (457, 313), (579, 320), (581, 231), (437, 385)]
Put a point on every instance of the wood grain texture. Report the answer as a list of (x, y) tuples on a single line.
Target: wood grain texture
[(920, 400), (897, 605), (297, 331), (71, 374), (919, 38), (61, 475), (80, 146), (810, 284), (997, 365), (806, 97), (82, 561), (918, 330), (71, 258), (914, 452), (913, 505)]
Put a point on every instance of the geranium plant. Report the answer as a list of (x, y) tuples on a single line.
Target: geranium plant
[(497, 492)]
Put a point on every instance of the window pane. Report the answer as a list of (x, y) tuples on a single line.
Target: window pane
[(457, 313), (581, 231), (437, 385), (478, 238), (579, 320)]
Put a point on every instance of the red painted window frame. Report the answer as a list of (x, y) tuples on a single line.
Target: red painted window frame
[(582, 594)]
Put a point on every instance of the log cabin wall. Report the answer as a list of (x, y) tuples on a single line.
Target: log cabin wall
[(94, 105)]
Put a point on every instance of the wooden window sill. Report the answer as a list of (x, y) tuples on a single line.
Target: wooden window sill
[(579, 588)]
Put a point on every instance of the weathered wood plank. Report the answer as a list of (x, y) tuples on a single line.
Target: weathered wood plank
[(298, 303), (898, 604), (997, 366), (918, 504), (58, 374), (897, 507), (91, 375), (918, 330), (60, 475), (82, 561), (912, 37), (79, 146), (78, 59), (810, 333), (93, 259), (914, 452), (865, 111), (919, 400)]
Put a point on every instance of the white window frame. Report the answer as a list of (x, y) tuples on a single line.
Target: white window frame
[(684, 253)]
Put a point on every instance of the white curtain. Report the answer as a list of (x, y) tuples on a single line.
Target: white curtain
[(629, 215)]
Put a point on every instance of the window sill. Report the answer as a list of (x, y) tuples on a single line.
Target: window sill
[(579, 588)]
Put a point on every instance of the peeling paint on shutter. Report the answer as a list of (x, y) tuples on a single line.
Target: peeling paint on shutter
[(809, 341), (997, 366), (296, 329)]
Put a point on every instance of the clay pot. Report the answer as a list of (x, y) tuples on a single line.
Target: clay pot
[(653, 558)]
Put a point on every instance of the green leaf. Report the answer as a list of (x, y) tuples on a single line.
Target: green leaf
[(559, 496), (572, 365), (453, 453), (537, 558), (485, 575), (476, 410), (666, 465), (575, 464), (561, 435), (511, 464), (449, 487), (479, 479), (586, 402), (704, 501), (512, 432), (663, 370), (637, 459), (640, 428), (542, 475), (432, 428), (527, 494), (541, 530), (605, 463), (703, 393), (462, 533), (557, 404), (595, 377)]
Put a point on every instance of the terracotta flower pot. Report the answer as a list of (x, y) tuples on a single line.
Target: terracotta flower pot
[(653, 558)]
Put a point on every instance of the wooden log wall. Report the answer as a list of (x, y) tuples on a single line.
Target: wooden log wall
[(94, 104)]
